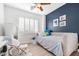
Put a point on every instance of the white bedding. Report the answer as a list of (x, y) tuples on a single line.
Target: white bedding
[(53, 45), (69, 42)]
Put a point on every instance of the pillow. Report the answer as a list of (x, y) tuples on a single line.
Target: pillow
[(45, 34), (14, 51)]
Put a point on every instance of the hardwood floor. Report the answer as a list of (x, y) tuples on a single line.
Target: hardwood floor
[(39, 51), (75, 53)]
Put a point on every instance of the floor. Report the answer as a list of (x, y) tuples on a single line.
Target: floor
[(75, 53), (40, 51)]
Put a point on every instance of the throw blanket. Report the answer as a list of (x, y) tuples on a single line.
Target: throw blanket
[(56, 48), (52, 44)]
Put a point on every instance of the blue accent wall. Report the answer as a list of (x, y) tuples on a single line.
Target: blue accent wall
[(72, 12)]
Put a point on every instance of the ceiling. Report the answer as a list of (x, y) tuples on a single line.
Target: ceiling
[(27, 7)]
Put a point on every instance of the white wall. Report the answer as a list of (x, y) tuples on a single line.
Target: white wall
[(1, 18), (1, 13), (43, 23), (12, 15)]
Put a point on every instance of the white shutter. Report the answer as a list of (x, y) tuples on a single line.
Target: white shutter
[(21, 23)]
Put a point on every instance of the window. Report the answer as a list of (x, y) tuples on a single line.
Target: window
[(36, 26), (21, 24), (29, 25), (32, 25)]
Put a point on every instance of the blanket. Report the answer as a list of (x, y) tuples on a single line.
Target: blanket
[(52, 44)]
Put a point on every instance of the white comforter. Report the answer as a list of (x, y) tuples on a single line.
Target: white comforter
[(53, 45)]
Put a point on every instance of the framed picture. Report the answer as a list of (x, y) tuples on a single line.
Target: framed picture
[(55, 22), (63, 23), (62, 18)]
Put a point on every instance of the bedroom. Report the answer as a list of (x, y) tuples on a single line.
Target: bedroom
[(29, 32)]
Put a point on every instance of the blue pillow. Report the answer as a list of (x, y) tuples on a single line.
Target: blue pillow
[(48, 31)]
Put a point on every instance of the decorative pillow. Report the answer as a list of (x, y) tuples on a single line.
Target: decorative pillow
[(15, 51), (22, 50), (45, 34)]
